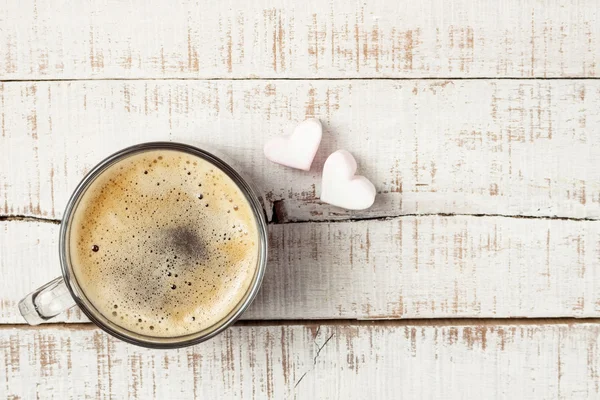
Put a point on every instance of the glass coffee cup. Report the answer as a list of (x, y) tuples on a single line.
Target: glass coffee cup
[(207, 238)]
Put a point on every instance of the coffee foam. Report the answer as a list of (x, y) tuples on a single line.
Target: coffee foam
[(163, 243)]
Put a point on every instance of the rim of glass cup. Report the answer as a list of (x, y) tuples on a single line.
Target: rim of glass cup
[(151, 341)]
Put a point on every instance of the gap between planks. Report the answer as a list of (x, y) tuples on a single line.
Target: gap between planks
[(368, 78), (280, 220), (435, 322)]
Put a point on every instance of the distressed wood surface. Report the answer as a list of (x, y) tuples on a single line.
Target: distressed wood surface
[(475, 361), (517, 147), (409, 267), (486, 151), (280, 38)]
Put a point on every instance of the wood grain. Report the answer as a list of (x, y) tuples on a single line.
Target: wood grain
[(316, 362), (279, 38), (409, 267), (465, 147), (500, 148)]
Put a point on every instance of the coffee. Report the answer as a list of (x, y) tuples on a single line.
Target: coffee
[(163, 243)]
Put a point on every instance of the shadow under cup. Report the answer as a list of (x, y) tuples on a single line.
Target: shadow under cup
[(65, 292)]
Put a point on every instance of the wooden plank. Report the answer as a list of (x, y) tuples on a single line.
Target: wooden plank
[(279, 38), (409, 267), (316, 362), (467, 147)]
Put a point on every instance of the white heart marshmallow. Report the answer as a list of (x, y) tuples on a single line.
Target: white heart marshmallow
[(297, 150), (340, 187)]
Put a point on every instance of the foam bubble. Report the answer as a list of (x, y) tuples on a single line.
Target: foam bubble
[(157, 254)]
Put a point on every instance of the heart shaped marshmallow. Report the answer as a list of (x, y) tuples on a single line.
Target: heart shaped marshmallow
[(297, 150), (341, 187)]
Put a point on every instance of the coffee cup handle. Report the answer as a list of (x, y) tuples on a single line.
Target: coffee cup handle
[(46, 302)]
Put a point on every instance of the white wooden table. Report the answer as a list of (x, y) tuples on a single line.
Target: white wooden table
[(475, 275)]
